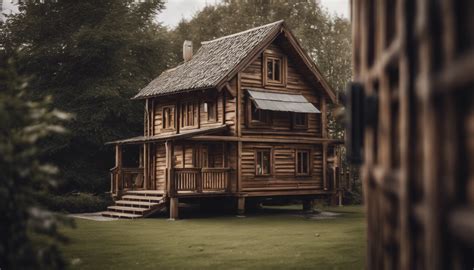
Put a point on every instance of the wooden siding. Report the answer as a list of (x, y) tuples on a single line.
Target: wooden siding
[(160, 167), (283, 167), (252, 77), (200, 98)]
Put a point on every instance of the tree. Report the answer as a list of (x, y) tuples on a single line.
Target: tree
[(92, 56), (29, 234)]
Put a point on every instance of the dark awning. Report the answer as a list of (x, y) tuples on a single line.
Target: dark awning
[(173, 136), (281, 102)]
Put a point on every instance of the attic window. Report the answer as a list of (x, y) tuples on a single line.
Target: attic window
[(274, 69)]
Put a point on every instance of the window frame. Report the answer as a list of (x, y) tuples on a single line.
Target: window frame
[(270, 169), (283, 69), (298, 165), (184, 114), (209, 119), (172, 125), (256, 122), (299, 126)]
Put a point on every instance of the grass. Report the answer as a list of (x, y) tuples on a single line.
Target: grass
[(277, 238)]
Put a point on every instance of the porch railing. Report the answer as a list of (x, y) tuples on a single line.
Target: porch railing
[(201, 180), (125, 179)]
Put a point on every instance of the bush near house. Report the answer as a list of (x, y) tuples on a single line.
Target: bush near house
[(76, 202)]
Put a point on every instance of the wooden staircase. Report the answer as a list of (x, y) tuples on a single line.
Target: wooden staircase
[(136, 204)]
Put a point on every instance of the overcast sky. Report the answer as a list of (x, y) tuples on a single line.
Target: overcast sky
[(178, 9)]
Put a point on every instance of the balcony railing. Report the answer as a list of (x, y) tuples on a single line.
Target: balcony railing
[(125, 179), (198, 180)]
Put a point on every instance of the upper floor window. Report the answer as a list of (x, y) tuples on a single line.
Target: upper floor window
[(300, 120), (187, 114), (274, 69), (258, 116), (210, 107), (263, 162), (168, 117), (302, 162)]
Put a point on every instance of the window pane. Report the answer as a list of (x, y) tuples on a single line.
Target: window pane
[(302, 162), (300, 119), (255, 112), (266, 162), (277, 69), (270, 69), (305, 162), (263, 162), (211, 111)]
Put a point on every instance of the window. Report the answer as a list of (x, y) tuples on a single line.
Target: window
[(210, 107), (274, 69), (263, 164), (300, 120), (187, 114), (258, 116), (302, 162), (168, 118)]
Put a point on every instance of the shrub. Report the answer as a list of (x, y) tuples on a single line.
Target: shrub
[(77, 202)]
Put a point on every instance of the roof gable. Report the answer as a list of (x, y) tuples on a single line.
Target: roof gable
[(220, 59)]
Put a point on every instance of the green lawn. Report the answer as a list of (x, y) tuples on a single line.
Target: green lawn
[(278, 238)]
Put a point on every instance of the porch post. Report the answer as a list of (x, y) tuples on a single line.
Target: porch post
[(169, 148), (118, 165), (325, 180), (240, 206), (174, 208), (146, 166)]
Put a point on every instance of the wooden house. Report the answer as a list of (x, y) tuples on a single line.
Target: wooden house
[(245, 116)]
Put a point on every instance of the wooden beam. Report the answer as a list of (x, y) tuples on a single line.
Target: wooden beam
[(324, 118), (145, 165), (224, 97), (169, 153), (302, 140), (239, 107), (239, 166), (174, 208), (240, 205), (325, 180)]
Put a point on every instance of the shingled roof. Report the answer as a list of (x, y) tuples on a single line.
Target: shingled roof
[(211, 63), (217, 59)]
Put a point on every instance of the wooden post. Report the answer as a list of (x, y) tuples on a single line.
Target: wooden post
[(340, 197), (239, 166), (307, 205), (174, 208), (118, 164), (324, 118), (240, 205), (145, 166), (325, 178), (169, 148)]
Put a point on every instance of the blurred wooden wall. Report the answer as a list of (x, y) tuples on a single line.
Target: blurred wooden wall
[(417, 57)]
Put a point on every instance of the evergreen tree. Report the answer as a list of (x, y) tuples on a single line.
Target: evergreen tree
[(29, 234)]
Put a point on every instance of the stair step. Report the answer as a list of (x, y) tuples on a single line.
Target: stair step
[(141, 198), (127, 209), (136, 203), (144, 192), (120, 215)]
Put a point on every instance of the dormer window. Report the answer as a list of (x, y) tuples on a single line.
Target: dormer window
[(274, 69)]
